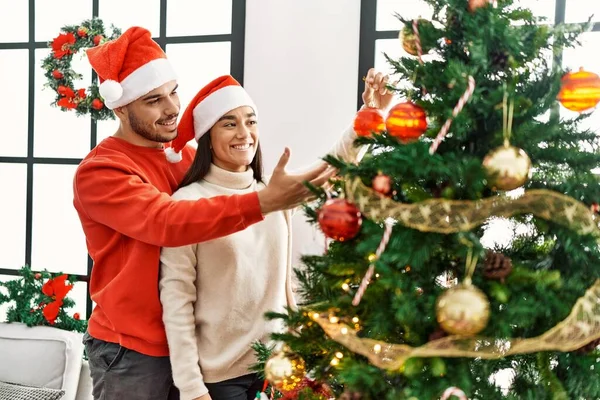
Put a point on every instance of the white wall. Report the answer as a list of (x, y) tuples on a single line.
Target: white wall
[(301, 67)]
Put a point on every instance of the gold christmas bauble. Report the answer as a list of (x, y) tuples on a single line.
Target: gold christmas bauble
[(507, 167), (285, 370), (409, 39), (463, 310)]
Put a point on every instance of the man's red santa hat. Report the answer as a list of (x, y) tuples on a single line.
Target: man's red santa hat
[(130, 67), (212, 102)]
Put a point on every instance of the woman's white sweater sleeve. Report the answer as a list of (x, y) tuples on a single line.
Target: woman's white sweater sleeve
[(178, 295)]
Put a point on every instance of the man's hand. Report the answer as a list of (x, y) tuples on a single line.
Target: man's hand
[(376, 95), (286, 191)]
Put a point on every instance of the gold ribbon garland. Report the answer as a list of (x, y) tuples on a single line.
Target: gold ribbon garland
[(581, 327), (451, 216)]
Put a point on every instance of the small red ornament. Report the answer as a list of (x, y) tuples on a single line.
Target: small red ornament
[(37, 276), (406, 121), (580, 91), (339, 219), (368, 121), (382, 184), (97, 104), (76, 316), (56, 74), (82, 32), (98, 39), (475, 4)]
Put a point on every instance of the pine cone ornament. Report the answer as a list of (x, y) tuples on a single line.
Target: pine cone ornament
[(588, 348), (497, 266), (499, 59)]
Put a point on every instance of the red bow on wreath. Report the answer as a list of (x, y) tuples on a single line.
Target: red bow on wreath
[(69, 98), (57, 289)]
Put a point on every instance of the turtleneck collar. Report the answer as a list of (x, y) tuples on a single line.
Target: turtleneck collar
[(228, 179)]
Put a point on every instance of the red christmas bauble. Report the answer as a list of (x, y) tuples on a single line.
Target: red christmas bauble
[(37, 276), (97, 104), (382, 184), (406, 121), (98, 39), (339, 219), (56, 74), (76, 316), (368, 121), (579, 91), (82, 32)]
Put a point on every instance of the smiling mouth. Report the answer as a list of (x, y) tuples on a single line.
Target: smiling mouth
[(168, 123), (242, 147)]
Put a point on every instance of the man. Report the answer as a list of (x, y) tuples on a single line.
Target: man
[(122, 195)]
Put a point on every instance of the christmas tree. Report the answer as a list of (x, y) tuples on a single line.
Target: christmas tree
[(407, 302)]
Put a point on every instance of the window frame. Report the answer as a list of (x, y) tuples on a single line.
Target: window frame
[(369, 35), (237, 40)]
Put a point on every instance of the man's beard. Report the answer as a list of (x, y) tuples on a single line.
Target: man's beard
[(147, 132)]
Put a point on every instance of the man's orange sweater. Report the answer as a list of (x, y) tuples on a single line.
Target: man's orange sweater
[(122, 194)]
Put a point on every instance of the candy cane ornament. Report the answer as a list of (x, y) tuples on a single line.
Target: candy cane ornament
[(457, 109), (415, 26), (454, 391), (367, 278)]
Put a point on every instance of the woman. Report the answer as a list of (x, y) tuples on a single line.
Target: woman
[(215, 294)]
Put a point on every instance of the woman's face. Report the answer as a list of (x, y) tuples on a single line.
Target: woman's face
[(234, 139)]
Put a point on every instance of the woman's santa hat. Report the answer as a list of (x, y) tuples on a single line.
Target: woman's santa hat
[(130, 67), (212, 102)]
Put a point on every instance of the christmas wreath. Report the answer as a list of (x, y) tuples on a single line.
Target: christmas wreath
[(40, 298), (60, 75)]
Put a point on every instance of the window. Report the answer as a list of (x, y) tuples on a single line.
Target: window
[(379, 30), (42, 145)]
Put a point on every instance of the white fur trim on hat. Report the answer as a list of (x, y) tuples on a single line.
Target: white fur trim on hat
[(217, 104), (143, 80), (173, 157), (111, 90)]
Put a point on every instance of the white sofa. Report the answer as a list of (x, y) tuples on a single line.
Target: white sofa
[(44, 357)]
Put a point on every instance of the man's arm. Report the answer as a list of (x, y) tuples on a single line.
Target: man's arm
[(120, 200), (114, 196)]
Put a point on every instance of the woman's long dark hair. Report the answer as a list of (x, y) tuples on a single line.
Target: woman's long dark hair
[(201, 164)]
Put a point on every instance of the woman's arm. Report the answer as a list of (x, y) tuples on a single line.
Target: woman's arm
[(178, 293)]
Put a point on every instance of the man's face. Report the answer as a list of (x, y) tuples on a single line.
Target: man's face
[(154, 116)]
